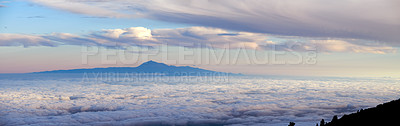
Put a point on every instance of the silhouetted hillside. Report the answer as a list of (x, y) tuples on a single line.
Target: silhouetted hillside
[(386, 114), (147, 67)]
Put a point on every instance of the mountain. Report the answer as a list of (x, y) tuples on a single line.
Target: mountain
[(386, 114), (147, 67)]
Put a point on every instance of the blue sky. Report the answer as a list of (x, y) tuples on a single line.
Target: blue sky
[(30, 18), (38, 35)]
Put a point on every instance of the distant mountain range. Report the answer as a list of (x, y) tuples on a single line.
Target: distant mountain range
[(147, 67)]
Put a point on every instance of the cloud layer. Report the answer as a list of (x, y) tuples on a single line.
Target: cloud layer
[(236, 101), (189, 37), (375, 20)]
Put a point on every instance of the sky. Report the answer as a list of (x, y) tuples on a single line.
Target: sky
[(349, 38)]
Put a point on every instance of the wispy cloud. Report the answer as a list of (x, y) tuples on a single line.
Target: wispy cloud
[(189, 37), (329, 46), (87, 7), (357, 19), (3, 2), (35, 17), (24, 40)]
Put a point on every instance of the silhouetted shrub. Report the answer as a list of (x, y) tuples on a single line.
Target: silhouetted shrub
[(322, 123)]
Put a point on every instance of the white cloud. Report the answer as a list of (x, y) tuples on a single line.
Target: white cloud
[(358, 19), (241, 100), (190, 37), (140, 33)]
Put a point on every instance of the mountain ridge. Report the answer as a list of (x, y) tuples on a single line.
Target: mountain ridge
[(146, 67)]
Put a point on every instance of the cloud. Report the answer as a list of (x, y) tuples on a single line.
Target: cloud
[(35, 17), (213, 37), (329, 46), (357, 19), (343, 46), (140, 33), (134, 36), (191, 37), (24, 40), (52, 101), (1, 2), (86, 7)]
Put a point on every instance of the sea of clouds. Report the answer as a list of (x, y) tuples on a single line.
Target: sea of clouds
[(239, 100)]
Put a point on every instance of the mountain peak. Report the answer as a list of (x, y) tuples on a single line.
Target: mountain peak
[(152, 63)]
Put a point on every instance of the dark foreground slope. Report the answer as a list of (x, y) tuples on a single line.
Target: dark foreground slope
[(387, 114)]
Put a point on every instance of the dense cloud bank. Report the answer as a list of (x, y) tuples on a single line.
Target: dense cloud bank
[(239, 101)]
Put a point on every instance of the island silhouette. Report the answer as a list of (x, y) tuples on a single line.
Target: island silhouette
[(147, 67)]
